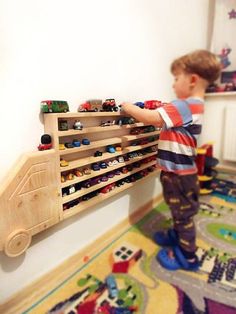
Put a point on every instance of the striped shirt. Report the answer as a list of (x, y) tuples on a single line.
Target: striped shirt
[(178, 138)]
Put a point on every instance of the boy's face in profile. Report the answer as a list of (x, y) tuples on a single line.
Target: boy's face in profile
[(182, 84)]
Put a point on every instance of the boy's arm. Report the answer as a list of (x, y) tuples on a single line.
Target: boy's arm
[(143, 115)]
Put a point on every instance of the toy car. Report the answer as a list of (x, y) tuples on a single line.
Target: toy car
[(111, 149), (230, 87), (135, 131), (139, 104), (90, 105), (112, 287), (78, 173), (44, 146), (124, 170), (70, 176), (87, 170), (120, 183), (63, 163), (72, 189), (78, 125), (62, 125), (63, 178), (91, 182), (108, 188), (149, 128), (125, 120), (76, 143), (89, 195), (152, 104), (104, 178), (46, 142), (121, 159), (108, 123), (61, 147), (103, 165), (97, 153), (110, 105), (95, 167), (110, 175), (85, 141), (54, 106), (69, 145)]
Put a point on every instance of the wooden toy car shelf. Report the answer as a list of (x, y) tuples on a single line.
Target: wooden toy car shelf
[(49, 186)]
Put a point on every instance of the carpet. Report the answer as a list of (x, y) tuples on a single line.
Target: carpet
[(125, 276)]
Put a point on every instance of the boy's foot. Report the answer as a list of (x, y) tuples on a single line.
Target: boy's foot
[(166, 238), (174, 260)]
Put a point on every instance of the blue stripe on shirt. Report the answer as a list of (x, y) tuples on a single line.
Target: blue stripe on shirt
[(184, 110)]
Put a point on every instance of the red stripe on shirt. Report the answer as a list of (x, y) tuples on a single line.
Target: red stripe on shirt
[(173, 114), (196, 108)]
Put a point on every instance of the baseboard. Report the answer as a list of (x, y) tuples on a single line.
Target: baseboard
[(23, 299), (224, 168)]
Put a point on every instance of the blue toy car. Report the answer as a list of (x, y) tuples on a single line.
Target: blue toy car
[(76, 143), (95, 167), (103, 165), (111, 286), (85, 141), (139, 104), (111, 149)]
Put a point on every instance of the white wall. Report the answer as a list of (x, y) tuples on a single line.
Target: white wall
[(214, 124), (75, 50)]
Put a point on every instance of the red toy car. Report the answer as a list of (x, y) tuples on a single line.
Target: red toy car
[(152, 104), (44, 146), (110, 105), (108, 188)]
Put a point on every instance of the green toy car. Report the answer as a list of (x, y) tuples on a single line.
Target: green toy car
[(54, 106)]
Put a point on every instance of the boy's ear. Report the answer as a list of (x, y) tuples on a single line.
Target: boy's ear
[(194, 79)]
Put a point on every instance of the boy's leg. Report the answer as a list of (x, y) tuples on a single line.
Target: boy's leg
[(181, 194)]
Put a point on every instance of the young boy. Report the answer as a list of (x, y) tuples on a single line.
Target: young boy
[(180, 121)]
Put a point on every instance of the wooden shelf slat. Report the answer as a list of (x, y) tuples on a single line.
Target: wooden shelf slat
[(86, 114), (105, 142), (220, 94), (96, 129), (89, 160), (92, 145)]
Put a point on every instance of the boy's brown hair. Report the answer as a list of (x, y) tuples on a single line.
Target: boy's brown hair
[(201, 62)]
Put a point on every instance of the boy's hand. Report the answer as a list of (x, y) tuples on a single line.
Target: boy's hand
[(125, 106)]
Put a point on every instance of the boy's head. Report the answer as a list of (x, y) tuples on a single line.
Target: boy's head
[(196, 71)]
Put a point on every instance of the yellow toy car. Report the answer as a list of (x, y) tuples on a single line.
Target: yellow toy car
[(63, 163)]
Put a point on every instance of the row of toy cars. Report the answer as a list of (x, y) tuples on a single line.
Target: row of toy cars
[(96, 166), (93, 105), (103, 178), (129, 179), (220, 88), (49, 106)]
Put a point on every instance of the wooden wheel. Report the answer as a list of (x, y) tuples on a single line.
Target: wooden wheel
[(17, 242)]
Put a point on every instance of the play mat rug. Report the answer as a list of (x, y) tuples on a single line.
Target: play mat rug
[(126, 278)]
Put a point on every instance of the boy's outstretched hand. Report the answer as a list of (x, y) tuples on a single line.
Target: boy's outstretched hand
[(149, 117)]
